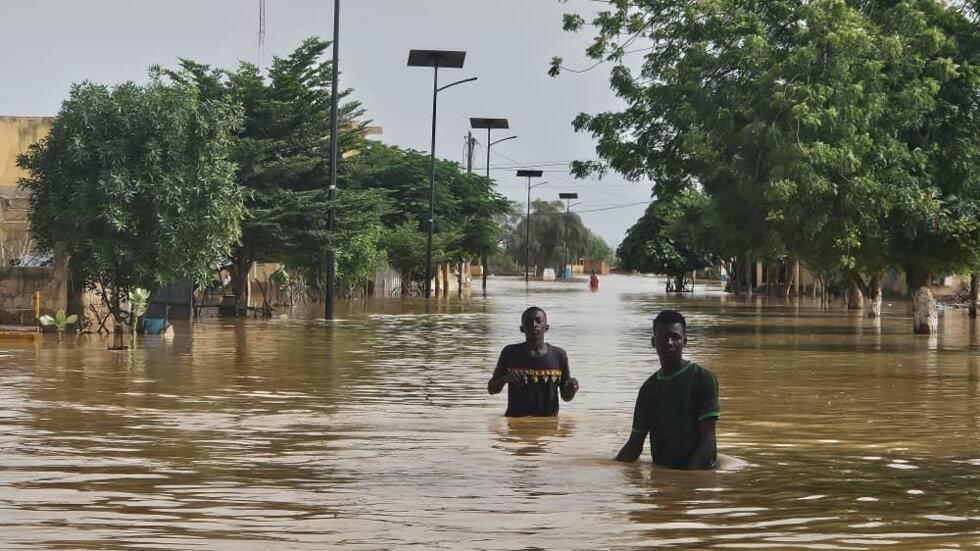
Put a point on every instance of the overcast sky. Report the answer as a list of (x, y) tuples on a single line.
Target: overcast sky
[(48, 44)]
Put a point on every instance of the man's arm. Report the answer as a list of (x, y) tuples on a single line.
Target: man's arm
[(569, 384), (633, 448), (704, 454)]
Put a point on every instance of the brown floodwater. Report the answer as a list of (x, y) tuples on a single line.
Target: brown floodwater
[(378, 433)]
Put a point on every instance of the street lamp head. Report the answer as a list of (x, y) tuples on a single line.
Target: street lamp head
[(530, 173), (444, 59), (568, 195), (491, 123)]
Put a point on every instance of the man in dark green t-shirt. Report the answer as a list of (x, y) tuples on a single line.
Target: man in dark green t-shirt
[(677, 406)]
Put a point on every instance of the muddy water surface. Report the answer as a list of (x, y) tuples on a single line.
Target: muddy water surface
[(378, 433)]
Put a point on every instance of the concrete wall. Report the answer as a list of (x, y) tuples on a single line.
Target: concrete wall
[(18, 286)]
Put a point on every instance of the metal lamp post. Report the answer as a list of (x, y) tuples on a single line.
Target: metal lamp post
[(527, 221), (490, 124), (435, 59), (334, 144), (568, 200)]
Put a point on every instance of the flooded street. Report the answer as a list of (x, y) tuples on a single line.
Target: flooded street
[(378, 433)]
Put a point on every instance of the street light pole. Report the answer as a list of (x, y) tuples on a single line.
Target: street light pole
[(432, 181), (490, 124), (334, 145), (527, 221), (435, 59), (568, 200)]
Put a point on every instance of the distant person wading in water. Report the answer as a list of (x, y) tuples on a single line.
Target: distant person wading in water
[(677, 406), (594, 281), (535, 371)]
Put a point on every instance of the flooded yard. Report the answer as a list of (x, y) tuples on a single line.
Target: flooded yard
[(377, 432)]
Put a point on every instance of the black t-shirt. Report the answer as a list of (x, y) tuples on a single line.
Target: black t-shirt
[(539, 397), (670, 409)]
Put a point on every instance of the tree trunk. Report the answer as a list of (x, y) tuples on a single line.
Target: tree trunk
[(748, 275), (459, 281), (406, 278), (925, 314), (793, 281), (241, 286), (118, 330), (974, 293), (854, 296), (483, 260), (872, 294), (445, 279)]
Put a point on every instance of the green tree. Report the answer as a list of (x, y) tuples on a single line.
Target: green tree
[(467, 208), (841, 133), (660, 242), (555, 237), (136, 184), (282, 151), (406, 244)]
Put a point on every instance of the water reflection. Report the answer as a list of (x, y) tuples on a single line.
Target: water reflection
[(376, 431)]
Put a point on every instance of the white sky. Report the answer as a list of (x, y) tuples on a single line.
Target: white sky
[(48, 44)]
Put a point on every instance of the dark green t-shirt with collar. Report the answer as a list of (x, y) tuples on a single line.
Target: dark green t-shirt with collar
[(670, 408)]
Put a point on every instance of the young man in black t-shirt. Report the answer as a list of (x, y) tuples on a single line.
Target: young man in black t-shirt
[(535, 371), (677, 406)]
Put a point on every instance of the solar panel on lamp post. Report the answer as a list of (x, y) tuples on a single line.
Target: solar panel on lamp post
[(490, 124), (568, 199), (445, 59), (527, 221)]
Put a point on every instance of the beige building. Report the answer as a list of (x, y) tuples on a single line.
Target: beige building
[(16, 135), (22, 290)]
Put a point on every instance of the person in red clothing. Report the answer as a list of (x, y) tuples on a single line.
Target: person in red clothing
[(593, 282)]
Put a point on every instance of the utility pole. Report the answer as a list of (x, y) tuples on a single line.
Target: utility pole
[(568, 207), (470, 144), (261, 33), (334, 145)]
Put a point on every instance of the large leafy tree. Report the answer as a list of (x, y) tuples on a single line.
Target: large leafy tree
[(556, 236), (827, 130), (663, 242), (282, 151), (467, 208), (136, 184)]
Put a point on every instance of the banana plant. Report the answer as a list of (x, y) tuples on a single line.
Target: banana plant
[(139, 303), (60, 322)]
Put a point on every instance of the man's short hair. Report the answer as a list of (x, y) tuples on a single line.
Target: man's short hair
[(530, 312), (670, 316)]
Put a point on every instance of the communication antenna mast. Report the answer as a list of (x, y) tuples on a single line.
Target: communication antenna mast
[(261, 33)]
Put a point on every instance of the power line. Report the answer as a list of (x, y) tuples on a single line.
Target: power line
[(614, 207)]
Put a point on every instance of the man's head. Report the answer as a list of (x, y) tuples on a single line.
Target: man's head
[(669, 336), (534, 323)]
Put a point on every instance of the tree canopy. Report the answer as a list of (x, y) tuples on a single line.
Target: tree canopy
[(555, 237), (136, 184), (282, 151), (664, 240), (840, 132)]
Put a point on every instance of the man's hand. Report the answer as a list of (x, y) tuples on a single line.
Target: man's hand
[(569, 389), (515, 379)]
